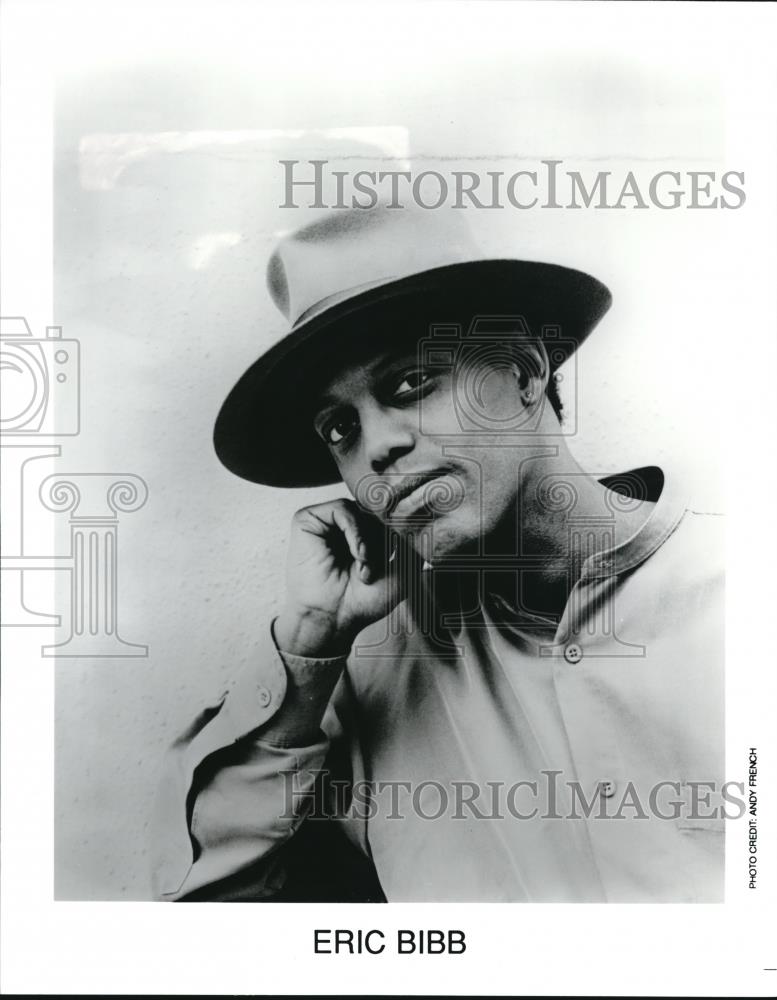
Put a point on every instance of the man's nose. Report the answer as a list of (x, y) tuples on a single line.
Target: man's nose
[(387, 436)]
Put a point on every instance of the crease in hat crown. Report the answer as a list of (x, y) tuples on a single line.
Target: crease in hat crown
[(350, 251)]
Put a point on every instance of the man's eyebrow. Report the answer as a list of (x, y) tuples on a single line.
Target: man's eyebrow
[(374, 370), (388, 360), (325, 402)]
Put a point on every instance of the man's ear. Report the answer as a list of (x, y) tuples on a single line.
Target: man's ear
[(532, 367)]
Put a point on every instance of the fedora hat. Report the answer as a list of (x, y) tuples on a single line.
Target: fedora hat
[(356, 278)]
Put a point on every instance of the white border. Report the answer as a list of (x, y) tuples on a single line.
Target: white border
[(87, 948)]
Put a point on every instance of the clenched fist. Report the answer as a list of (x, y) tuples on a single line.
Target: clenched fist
[(339, 579)]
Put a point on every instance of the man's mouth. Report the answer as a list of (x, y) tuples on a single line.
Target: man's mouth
[(417, 493)]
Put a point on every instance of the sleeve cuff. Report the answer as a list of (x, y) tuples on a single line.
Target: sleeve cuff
[(309, 685)]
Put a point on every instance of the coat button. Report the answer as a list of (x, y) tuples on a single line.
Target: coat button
[(264, 697), (573, 653), (607, 789)]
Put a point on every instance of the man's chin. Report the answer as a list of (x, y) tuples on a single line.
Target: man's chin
[(442, 538)]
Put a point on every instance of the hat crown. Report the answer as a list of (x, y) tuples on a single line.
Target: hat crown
[(351, 250)]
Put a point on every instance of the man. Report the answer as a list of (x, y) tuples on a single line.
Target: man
[(495, 676)]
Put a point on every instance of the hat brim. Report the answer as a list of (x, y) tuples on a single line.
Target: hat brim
[(264, 431)]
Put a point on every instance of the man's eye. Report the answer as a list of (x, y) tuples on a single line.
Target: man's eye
[(411, 381), (337, 430)]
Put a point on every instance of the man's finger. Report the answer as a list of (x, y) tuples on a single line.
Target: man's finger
[(346, 522)]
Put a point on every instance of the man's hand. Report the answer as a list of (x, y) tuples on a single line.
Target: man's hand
[(338, 579)]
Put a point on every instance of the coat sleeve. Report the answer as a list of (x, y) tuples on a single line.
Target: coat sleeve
[(237, 788)]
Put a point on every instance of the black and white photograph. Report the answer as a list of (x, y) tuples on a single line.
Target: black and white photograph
[(386, 435)]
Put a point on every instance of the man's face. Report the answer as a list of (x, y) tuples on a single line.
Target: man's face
[(387, 420)]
